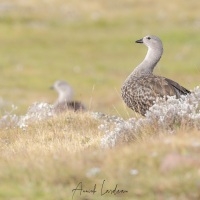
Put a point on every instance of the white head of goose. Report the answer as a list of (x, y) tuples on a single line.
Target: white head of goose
[(142, 87)]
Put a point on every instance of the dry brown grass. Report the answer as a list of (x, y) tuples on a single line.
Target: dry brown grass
[(62, 132), (51, 157)]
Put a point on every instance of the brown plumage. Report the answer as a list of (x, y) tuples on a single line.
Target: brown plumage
[(65, 96), (142, 87), (71, 105)]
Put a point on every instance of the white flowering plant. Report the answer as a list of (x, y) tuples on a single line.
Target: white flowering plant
[(165, 116)]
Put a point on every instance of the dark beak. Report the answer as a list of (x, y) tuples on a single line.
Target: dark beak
[(51, 88), (139, 41)]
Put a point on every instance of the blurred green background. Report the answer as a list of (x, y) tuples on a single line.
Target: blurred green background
[(90, 44)]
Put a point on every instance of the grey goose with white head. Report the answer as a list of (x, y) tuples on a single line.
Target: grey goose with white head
[(142, 87), (65, 98)]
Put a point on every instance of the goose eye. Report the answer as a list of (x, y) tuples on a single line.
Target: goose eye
[(148, 38)]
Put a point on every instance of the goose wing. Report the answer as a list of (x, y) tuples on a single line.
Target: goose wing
[(70, 105), (76, 105), (162, 86), (180, 89)]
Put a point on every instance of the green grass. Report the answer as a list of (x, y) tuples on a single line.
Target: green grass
[(91, 45), (40, 47)]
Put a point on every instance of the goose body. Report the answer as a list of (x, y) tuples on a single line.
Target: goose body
[(142, 87), (65, 98)]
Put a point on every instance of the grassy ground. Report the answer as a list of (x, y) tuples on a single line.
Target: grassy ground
[(51, 158), (91, 45)]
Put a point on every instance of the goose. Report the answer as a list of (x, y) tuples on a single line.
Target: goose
[(141, 88), (65, 98)]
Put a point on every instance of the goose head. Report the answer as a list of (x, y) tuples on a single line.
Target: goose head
[(152, 42), (64, 90)]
